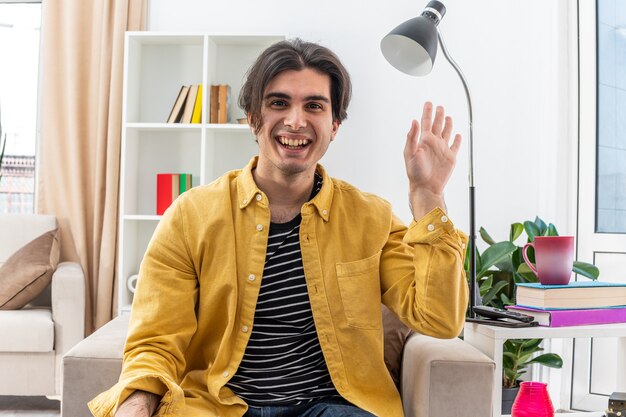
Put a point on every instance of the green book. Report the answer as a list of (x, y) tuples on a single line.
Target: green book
[(184, 182)]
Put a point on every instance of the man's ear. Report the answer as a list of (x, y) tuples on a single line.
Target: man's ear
[(335, 128)]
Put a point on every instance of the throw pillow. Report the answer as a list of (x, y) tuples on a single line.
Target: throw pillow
[(29, 271), (395, 335)]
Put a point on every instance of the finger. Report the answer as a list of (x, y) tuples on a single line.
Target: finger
[(438, 123), (456, 144), (427, 117), (411, 138), (447, 129)]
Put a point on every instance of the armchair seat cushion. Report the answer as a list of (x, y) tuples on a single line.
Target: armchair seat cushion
[(26, 330)]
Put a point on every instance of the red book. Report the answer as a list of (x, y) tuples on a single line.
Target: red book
[(573, 317), (165, 191)]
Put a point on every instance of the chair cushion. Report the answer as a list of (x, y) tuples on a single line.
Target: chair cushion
[(28, 271), (395, 335), (26, 330)]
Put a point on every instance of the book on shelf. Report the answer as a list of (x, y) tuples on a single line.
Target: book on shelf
[(573, 317), (224, 103), (190, 102), (196, 117), (177, 109), (214, 106), (219, 103), (575, 295), (184, 182)]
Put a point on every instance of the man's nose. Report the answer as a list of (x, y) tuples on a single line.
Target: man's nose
[(295, 119)]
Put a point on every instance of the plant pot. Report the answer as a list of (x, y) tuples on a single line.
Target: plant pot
[(508, 397)]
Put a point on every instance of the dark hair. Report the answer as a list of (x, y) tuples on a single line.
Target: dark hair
[(294, 54)]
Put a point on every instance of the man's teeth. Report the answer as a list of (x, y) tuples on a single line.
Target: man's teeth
[(292, 142)]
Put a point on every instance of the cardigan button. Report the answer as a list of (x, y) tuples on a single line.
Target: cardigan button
[(430, 227), (259, 227)]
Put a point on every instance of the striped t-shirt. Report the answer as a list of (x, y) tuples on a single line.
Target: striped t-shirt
[(283, 363)]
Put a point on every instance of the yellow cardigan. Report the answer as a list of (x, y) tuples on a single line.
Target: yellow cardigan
[(194, 306)]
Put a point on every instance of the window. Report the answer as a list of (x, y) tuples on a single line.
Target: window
[(611, 145), (19, 75)]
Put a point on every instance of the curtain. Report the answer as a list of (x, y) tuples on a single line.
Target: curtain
[(80, 135)]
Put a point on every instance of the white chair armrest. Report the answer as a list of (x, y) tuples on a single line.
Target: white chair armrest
[(68, 310), (445, 377)]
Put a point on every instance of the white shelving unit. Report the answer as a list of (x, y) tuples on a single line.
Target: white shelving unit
[(156, 66)]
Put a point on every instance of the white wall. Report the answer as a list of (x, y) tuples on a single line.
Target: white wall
[(515, 55)]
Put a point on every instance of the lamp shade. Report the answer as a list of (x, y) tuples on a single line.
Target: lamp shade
[(412, 46)]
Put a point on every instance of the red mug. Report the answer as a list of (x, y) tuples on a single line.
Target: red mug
[(554, 258)]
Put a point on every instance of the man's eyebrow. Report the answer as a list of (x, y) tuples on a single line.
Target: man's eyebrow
[(315, 97)]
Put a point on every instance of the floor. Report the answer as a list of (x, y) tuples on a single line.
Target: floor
[(29, 407)]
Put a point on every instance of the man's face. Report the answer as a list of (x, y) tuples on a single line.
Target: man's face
[(298, 122)]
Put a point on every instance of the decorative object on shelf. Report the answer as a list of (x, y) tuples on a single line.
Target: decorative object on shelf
[(131, 283), (554, 256), (177, 110), (411, 48), (242, 121), (532, 400), (577, 294)]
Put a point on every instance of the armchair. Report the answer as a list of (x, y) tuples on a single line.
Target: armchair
[(34, 339), (438, 377)]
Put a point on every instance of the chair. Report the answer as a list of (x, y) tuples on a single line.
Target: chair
[(438, 377), (34, 338)]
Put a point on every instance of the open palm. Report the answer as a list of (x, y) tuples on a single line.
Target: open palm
[(428, 157)]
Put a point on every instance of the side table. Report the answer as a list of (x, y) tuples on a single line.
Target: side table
[(490, 340)]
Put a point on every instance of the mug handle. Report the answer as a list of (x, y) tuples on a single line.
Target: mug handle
[(530, 265)]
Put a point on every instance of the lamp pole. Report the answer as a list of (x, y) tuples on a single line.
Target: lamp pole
[(474, 294)]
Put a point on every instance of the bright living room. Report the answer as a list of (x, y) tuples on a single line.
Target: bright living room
[(532, 110)]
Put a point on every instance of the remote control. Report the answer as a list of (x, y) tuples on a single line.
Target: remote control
[(500, 313)]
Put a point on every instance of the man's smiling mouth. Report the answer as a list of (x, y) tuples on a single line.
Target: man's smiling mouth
[(293, 144)]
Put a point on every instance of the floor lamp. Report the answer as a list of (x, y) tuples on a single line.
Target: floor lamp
[(411, 48)]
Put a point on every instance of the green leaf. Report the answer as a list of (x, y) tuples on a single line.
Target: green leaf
[(524, 269), (541, 225), (552, 230), (531, 230), (494, 254), (586, 270), (531, 343), (488, 239), (491, 294), (516, 231), (551, 360)]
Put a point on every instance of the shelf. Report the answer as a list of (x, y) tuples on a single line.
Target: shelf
[(163, 127), (142, 217)]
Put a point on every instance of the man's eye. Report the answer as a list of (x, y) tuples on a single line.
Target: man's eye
[(278, 103), (315, 106)]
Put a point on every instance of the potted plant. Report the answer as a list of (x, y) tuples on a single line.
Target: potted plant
[(498, 269)]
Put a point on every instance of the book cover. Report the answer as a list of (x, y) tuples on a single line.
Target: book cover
[(224, 98), (184, 183), (190, 103), (196, 117), (176, 112), (214, 106), (574, 317), (576, 295), (164, 193), (175, 186)]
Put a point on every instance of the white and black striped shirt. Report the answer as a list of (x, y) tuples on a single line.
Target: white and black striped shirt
[(283, 363)]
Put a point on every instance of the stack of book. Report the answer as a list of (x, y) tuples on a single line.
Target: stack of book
[(575, 304), (169, 187), (219, 103), (188, 105)]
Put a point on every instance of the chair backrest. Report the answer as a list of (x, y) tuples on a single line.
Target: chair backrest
[(16, 230)]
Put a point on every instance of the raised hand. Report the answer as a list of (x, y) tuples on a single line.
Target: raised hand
[(429, 159)]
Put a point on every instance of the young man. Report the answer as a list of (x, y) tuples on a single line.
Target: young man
[(260, 294)]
